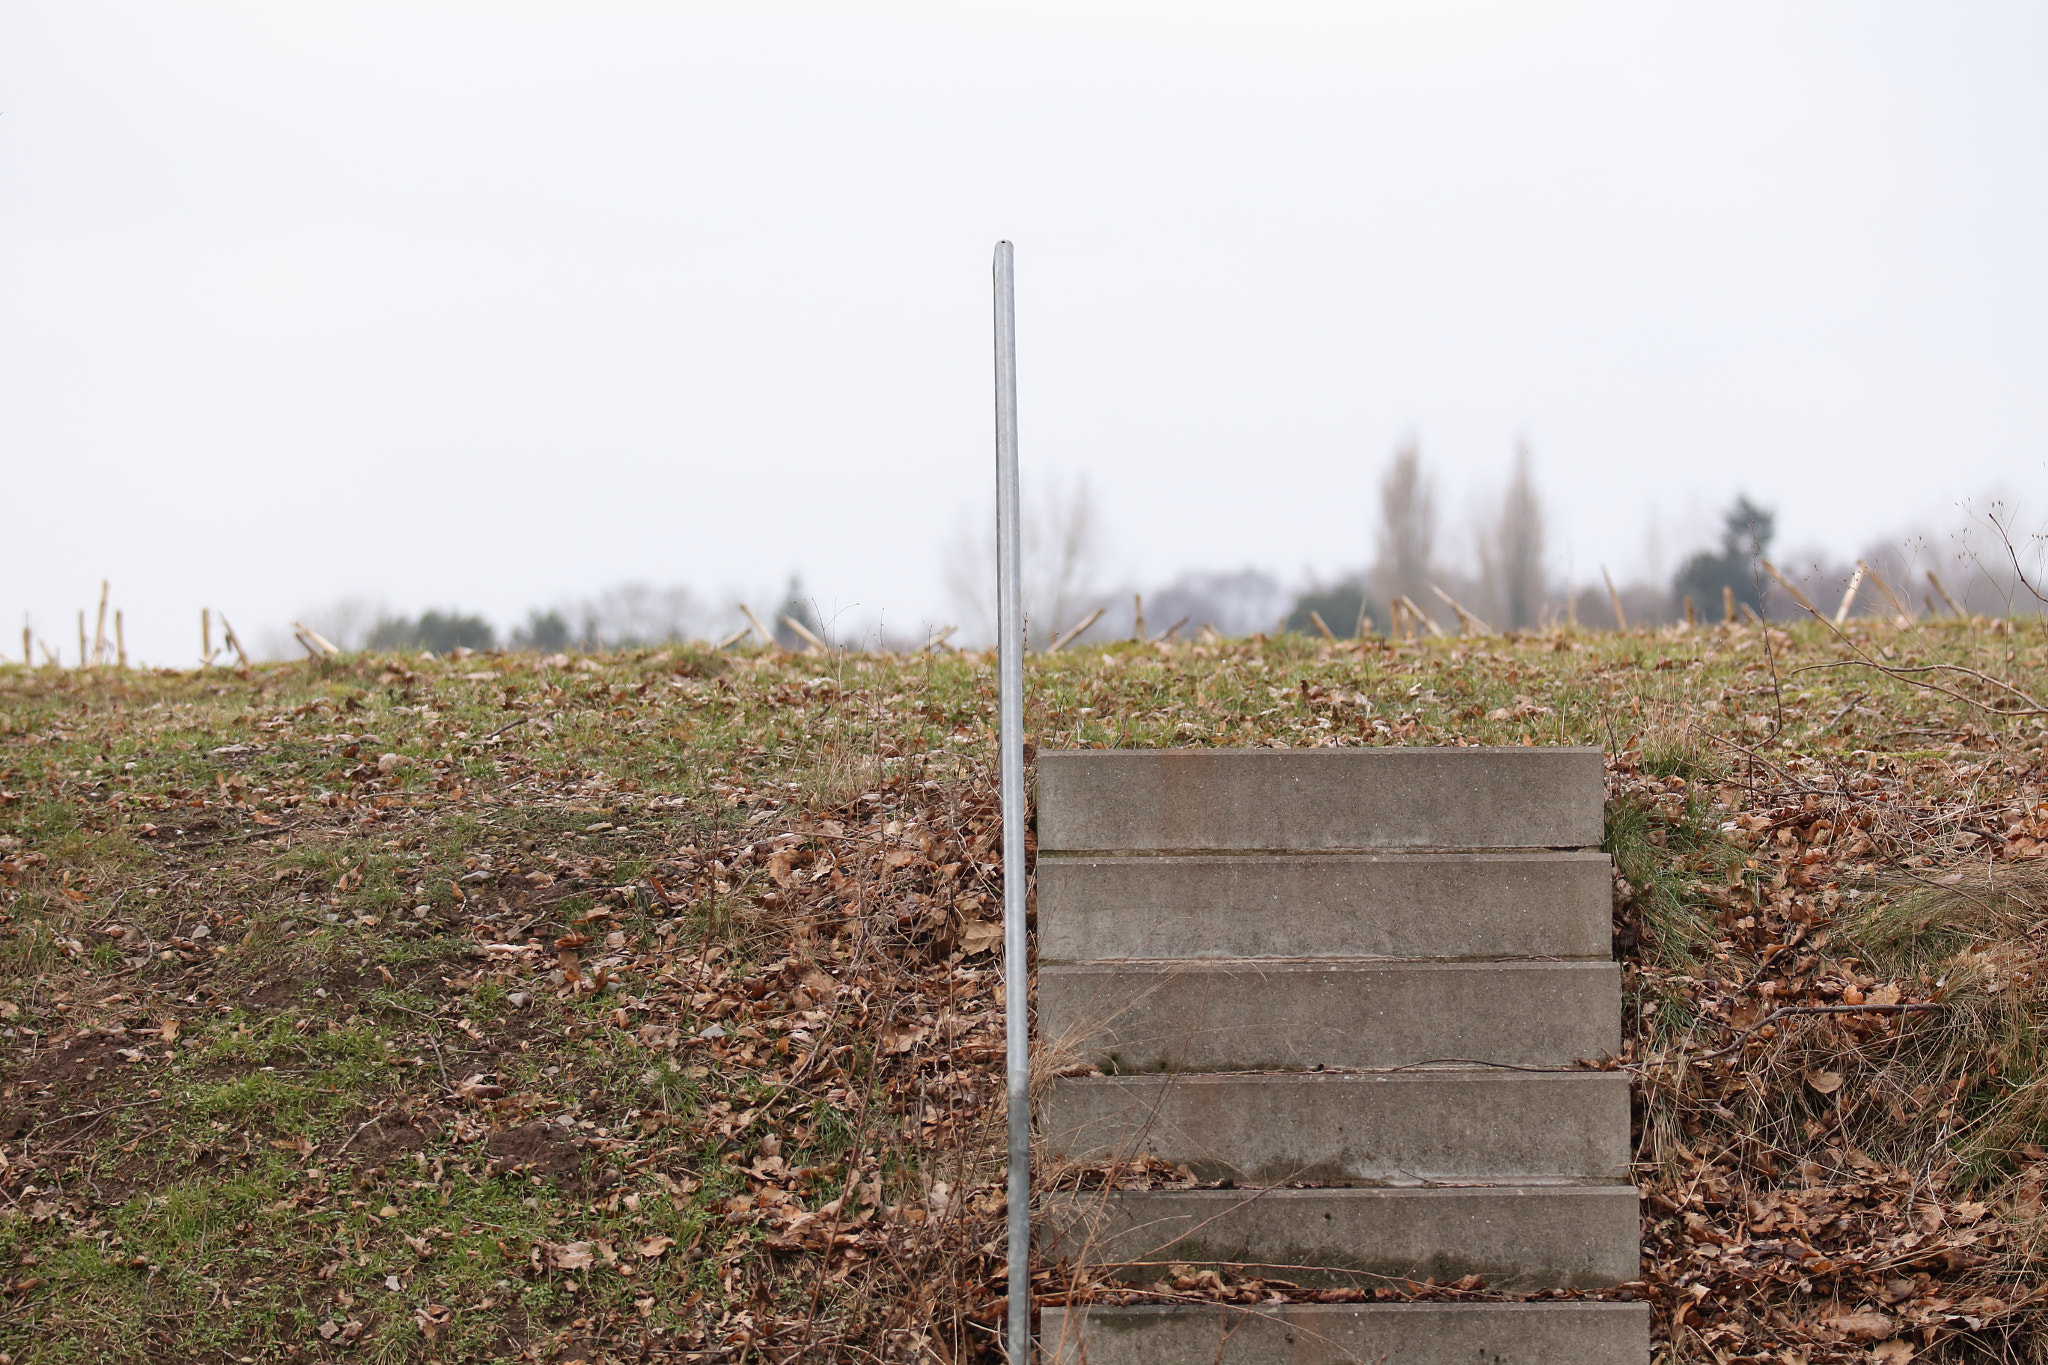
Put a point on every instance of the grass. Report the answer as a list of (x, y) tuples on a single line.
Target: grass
[(359, 1010)]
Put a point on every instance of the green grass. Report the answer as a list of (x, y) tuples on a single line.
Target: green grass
[(222, 1194)]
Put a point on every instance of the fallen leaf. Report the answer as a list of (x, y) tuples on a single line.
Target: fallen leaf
[(1824, 1082), (979, 936), (651, 1247), (1865, 1325), (902, 1038), (479, 1087), (432, 1319), (1893, 1352), (1887, 994), (570, 1255)]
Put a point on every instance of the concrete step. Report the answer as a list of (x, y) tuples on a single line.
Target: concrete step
[(1335, 1127), (1517, 1237), (1202, 800), (1269, 1015), (1350, 1334), (1422, 905)]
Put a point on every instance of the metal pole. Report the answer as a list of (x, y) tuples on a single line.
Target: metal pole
[(1010, 706)]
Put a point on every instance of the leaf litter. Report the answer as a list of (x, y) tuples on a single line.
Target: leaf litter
[(646, 1006)]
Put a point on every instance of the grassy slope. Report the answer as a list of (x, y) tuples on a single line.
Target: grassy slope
[(314, 1053)]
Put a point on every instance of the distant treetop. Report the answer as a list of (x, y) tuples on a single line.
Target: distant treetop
[(1746, 532)]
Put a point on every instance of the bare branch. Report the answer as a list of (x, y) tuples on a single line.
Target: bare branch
[(2013, 551)]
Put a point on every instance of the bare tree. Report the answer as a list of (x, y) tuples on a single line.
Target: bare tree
[(629, 614), (1407, 535), (1512, 560), (1063, 562)]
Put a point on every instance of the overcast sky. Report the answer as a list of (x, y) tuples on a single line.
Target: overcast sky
[(490, 305)]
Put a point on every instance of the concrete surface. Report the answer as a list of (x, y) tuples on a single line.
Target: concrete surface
[(1416, 905), (1123, 800), (1334, 1128), (1350, 1334), (1267, 1015), (1517, 1237)]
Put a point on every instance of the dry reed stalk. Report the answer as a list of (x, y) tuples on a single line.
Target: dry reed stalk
[(99, 629), (1728, 605), (1067, 637), (1428, 622), (233, 641), (1849, 593), (1953, 608), (1315, 619), (808, 636), (84, 660), (767, 635), (1468, 623), (120, 641), (1905, 618), (1614, 599), (312, 641), (1138, 617), (1786, 584)]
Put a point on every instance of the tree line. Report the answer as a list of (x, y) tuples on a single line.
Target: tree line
[(1504, 578)]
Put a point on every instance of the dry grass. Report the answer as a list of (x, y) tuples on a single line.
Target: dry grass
[(232, 1142)]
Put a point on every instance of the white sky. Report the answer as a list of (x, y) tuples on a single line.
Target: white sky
[(490, 305)]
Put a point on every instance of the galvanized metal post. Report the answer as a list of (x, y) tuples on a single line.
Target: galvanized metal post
[(1010, 707)]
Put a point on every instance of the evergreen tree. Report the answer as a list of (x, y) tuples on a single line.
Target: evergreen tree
[(1746, 531)]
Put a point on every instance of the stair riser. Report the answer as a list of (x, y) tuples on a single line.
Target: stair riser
[(1350, 1334), (1331, 905), (1516, 1237), (1263, 1016), (1331, 1128), (1318, 799)]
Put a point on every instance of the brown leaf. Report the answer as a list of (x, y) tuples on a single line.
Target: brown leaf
[(903, 1037), (569, 1255), (979, 936), (478, 1088), (1867, 1326), (1824, 1082), (651, 1247)]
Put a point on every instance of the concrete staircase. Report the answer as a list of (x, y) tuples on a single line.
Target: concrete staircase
[(1348, 989)]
